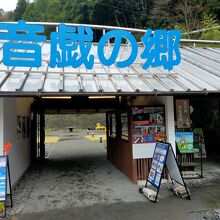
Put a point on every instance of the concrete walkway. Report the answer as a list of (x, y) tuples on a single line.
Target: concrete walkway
[(204, 199), (77, 182), (78, 174)]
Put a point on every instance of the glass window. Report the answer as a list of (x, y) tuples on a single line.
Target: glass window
[(124, 126), (148, 124), (112, 125)]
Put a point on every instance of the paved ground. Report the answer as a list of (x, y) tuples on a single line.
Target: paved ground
[(78, 174), (79, 183), (169, 208)]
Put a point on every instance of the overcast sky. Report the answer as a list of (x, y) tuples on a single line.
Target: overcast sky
[(8, 5)]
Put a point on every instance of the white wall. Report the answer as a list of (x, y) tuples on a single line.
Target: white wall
[(19, 156)]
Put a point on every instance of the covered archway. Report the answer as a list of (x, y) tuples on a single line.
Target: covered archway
[(24, 89)]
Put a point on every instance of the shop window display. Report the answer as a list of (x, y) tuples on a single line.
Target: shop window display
[(148, 124)]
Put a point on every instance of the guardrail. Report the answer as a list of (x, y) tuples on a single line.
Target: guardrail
[(105, 28)]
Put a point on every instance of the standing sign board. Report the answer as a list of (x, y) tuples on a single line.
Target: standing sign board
[(164, 156), (184, 142), (158, 163), (199, 143), (3, 177), (173, 168)]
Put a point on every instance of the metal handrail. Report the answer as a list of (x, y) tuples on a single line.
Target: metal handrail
[(98, 27), (105, 27)]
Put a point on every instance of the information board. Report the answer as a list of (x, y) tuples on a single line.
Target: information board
[(199, 143), (148, 124), (3, 177), (184, 142), (182, 113), (164, 155), (158, 163)]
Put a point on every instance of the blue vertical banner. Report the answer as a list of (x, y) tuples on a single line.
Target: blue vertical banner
[(158, 163), (3, 177)]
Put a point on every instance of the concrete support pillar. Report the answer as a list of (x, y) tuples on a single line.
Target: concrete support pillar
[(170, 126)]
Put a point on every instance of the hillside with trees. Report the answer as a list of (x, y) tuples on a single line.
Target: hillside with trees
[(77, 121), (186, 15)]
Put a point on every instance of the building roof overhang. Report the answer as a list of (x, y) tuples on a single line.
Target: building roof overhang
[(198, 73)]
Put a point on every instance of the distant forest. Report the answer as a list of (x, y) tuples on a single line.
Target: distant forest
[(186, 15), (77, 121)]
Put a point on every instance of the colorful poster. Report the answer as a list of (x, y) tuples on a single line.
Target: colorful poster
[(199, 142), (3, 177), (182, 113), (184, 142), (148, 124), (158, 163)]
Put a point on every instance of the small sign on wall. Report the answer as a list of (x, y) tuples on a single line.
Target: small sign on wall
[(182, 113), (19, 127), (23, 127)]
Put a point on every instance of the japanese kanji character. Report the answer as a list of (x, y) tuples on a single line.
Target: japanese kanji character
[(160, 48), (69, 48), (24, 52), (118, 35)]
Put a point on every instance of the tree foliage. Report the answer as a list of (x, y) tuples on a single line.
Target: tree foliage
[(82, 121), (186, 15), (214, 6), (1, 14), (210, 23), (20, 9)]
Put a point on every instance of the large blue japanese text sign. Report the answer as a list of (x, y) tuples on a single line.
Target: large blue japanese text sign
[(26, 38), (71, 46)]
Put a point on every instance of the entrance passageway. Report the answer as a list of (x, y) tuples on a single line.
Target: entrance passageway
[(77, 173)]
